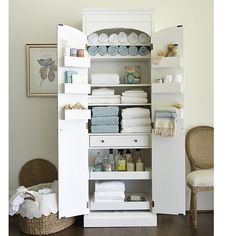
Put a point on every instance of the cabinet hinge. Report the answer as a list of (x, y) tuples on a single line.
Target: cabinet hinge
[(179, 25), (86, 46), (151, 47), (60, 24), (152, 125), (153, 204)]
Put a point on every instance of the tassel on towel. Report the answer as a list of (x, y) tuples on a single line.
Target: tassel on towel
[(165, 122)]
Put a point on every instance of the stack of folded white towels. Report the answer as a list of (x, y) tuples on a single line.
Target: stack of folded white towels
[(135, 120), (134, 97), (109, 191), (105, 78), (103, 96)]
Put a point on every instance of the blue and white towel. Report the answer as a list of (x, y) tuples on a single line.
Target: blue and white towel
[(93, 50), (113, 50), (102, 50), (123, 50)]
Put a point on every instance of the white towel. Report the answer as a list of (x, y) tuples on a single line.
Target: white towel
[(133, 100), (103, 92), (136, 122), (113, 38), (114, 195), (103, 38), (105, 78), (93, 38), (135, 112), (104, 186), (138, 129), (123, 38), (104, 99), (140, 94)]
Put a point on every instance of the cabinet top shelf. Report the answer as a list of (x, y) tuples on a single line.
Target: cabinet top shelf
[(118, 104), (121, 58)]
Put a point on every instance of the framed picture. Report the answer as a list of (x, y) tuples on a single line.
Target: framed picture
[(41, 66)]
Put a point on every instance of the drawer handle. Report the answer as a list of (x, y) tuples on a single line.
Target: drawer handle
[(102, 141), (135, 140)]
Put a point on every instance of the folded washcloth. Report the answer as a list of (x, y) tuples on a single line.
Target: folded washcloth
[(105, 111), (136, 122), (135, 112), (133, 38), (133, 51), (123, 50), (104, 99), (93, 38), (103, 92), (113, 195), (138, 129), (165, 127), (105, 78), (122, 37), (117, 185), (104, 128), (92, 51), (105, 120), (103, 38), (113, 50), (102, 50), (133, 100)]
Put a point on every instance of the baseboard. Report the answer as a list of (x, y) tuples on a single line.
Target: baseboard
[(201, 211)]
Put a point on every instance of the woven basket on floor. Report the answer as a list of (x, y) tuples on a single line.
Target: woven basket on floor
[(32, 173)]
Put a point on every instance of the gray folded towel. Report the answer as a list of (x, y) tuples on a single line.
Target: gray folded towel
[(104, 128), (105, 120), (105, 111)]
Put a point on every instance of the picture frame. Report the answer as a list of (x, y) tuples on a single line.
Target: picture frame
[(41, 69)]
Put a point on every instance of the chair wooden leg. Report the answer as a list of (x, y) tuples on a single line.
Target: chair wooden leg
[(193, 208)]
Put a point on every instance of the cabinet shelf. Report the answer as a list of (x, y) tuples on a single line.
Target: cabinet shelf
[(120, 58), (126, 205), (79, 62), (119, 104), (69, 88), (168, 62), (120, 85), (128, 175), (167, 88), (77, 114)]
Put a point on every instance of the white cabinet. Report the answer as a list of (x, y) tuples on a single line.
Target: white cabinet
[(162, 183)]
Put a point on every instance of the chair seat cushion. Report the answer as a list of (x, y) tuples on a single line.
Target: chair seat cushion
[(201, 178)]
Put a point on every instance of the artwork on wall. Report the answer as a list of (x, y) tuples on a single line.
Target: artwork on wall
[(41, 66)]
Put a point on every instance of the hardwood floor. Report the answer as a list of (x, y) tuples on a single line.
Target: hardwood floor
[(168, 225)]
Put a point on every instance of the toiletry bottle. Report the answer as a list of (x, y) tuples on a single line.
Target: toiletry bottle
[(112, 160), (139, 165), (117, 157), (121, 162), (98, 162)]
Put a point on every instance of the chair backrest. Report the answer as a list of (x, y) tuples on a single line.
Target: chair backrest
[(199, 145), (37, 171)]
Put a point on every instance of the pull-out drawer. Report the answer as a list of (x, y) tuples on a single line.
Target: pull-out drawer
[(119, 140)]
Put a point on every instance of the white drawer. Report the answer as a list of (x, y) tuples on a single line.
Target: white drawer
[(119, 141)]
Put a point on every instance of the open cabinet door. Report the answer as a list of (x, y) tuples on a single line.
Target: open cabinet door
[(168, 153), (73, 141)]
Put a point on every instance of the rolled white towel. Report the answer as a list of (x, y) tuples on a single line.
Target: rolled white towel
[(135, 122), (103, 186), (113, 38), (133, 38), (93, 38), (103, 38), (123, 38)]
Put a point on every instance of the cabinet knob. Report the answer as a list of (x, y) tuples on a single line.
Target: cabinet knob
[(135, 140), (102, 141)]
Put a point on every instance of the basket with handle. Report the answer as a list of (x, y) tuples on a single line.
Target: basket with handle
[(45, 224)]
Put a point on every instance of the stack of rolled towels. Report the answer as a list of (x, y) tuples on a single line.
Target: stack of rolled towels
[(135, 120), (109, 191), (105, 120), (134, 97)]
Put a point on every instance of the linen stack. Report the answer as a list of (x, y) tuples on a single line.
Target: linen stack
[(105, 78), (109, 191), (105, 120), (165, 121), (134, 97), (135, 120)]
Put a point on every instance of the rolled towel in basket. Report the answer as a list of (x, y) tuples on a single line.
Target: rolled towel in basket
[(93, 38), (133, 51), (123, 50), (133, 38), (102, 50), (123, 38), (113, 50), (105, 111), (103, 38), (143, 50), (92, 51)]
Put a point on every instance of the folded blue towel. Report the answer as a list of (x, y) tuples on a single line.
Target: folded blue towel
[(133, 51), (123, 50), (113, 50), (104, 128), (165, 114), (105, 120), (102, 50), (105, 111)]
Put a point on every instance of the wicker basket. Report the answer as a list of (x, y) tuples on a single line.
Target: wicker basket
[(45, 224)]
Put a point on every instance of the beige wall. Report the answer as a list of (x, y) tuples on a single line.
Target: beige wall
[(33, 121)]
